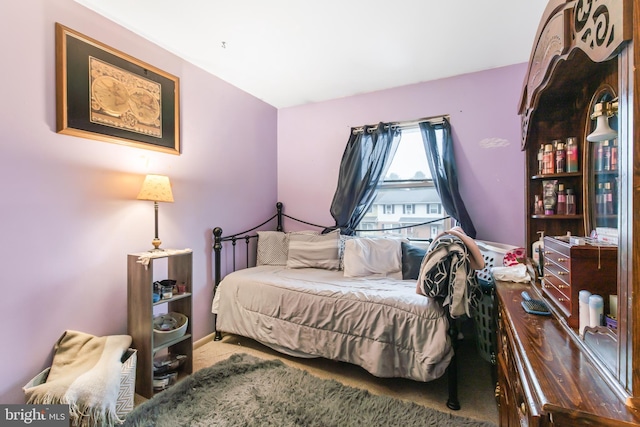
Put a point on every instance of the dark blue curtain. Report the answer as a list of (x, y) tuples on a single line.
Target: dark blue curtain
[(365, 160), (442, 164)]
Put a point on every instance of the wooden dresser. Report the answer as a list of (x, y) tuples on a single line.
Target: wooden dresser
[(568, 269), (545, 376)]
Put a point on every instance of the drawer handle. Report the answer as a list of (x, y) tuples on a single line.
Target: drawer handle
[(562, 259), (523, 408), (547, 252), (562, 273), (546, 264), (546, 286), (563, 286), (561, 299)]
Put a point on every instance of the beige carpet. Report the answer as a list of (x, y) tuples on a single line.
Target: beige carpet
[(476, 387)]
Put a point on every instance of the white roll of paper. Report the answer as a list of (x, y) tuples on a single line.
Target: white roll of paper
[(583, 309), (596, 308)]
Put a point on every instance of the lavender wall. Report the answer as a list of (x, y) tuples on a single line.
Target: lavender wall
[(69, 214), (486, 134)]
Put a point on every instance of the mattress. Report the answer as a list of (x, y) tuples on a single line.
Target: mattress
[(380, 324)]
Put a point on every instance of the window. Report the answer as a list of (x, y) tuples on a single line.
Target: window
[(434, 208), (409, 209), (408, 184)]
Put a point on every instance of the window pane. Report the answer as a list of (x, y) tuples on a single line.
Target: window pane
[(407, 196), (410, 161)]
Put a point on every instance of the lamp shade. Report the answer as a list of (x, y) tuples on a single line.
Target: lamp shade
[(156, 188), (603, 131)]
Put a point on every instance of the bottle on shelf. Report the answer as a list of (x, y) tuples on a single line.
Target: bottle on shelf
[(614, 155), (608, 199), (538, 205), (560, 158), (606, 156), (549, 159), (537, 248), (599, 153), (541, 160), (561, 204), (571, 202), (600, 199), (572, 154)]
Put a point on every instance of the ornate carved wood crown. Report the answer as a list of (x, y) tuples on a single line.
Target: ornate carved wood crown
[(597, 27)]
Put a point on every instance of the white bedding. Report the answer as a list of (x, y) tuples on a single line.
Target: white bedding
[(378, 323)]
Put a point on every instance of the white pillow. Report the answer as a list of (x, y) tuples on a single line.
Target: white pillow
[(367, 256), (315, 251)]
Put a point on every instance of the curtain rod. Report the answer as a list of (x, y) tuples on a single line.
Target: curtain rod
[(432, 119)]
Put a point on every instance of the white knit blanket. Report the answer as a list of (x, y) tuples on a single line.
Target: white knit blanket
[(85, 374)]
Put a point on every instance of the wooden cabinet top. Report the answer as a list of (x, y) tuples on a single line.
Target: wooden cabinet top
[(564, 381)]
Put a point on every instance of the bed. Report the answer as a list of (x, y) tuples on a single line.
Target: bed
[(312, 294)]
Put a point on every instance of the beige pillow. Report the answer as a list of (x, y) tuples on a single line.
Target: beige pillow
[(314, 251), (272, 248)]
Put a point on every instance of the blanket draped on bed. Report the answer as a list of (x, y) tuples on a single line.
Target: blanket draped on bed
[(85, 374), (446, 272)]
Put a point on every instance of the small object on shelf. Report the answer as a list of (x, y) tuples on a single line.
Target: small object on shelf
[(167, 363), (155, 297), (614, 155), (168, 327), (550, 197), (537, 248), (561, 202), (534, 306), (538, 206), (572, 154), (549, 159), (560, 158), (541, 160), (167, 292), (164, 381), (571, 202)]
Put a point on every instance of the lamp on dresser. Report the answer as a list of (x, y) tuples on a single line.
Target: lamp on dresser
[(156, 188)]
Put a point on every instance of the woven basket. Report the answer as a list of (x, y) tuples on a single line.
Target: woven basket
[(126, 393)]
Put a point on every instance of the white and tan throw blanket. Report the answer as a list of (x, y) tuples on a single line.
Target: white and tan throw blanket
[(85, 374)]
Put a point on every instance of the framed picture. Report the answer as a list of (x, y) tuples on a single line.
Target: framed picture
[(107, 95)]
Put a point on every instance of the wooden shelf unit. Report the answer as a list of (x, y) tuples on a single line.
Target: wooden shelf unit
[(140, 311)]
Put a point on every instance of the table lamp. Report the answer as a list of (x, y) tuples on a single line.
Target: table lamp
[(156, 188)]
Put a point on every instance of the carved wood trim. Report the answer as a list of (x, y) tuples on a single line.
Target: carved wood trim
[(599, 28)]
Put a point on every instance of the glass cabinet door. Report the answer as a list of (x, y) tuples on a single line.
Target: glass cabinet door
[(602, 173)]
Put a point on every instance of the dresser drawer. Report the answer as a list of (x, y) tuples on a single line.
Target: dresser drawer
[(559, 278), (557, 246), (559, 297), (558, 259)]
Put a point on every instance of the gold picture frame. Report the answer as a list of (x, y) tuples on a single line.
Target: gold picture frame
[(107, 95)]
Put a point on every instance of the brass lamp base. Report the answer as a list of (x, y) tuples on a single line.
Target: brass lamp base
[(156, 245)]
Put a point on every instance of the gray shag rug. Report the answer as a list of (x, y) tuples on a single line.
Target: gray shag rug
[(247, 391)]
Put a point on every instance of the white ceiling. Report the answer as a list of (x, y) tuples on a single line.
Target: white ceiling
[(292, 52)]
